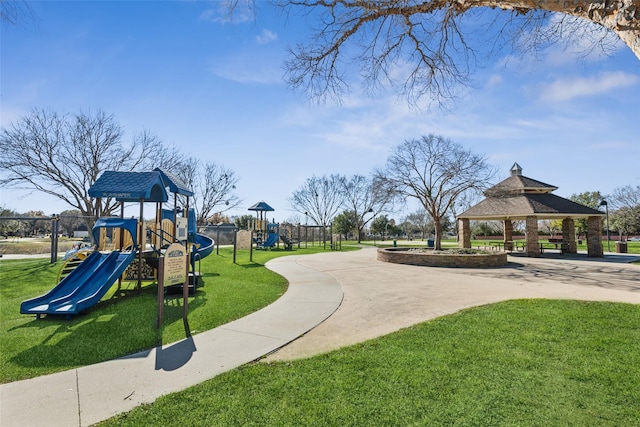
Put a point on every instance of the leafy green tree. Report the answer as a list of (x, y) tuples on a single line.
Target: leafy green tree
[(626, 204), (345, 223), (37, 226), (8, 227), (590, 199), (625, 220), (378, 225), (242, 222)]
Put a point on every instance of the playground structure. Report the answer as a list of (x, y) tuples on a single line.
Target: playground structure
[(266, 234), (119, 242)]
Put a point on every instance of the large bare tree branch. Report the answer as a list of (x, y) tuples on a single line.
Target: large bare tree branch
[(435, 40)]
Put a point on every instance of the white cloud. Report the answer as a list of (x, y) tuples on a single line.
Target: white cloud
[(224, 13), (567, 89), (248, 69), (494, 80), (266, 36)]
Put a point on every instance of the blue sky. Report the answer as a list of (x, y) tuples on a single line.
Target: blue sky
[(216, 90)]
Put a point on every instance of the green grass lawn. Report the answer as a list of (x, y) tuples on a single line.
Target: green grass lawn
[(524, 362), (124, 323)]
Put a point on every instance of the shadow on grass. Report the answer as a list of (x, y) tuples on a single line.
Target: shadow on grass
[(129, 318), (28, 269)]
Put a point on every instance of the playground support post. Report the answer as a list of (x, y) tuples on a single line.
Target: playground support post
[(160, 317), (185, 296), (54, 238), (218, 239), (185, 286), (235, 244)]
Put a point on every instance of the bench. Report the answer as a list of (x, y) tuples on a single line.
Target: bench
[(508, 246), (555, 244)]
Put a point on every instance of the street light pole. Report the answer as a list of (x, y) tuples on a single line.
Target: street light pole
[(371, 228), (606, 207)]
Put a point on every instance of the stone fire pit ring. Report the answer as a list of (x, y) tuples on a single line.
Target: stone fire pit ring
[(467, 258)]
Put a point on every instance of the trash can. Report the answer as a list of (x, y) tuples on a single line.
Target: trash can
[(430, 243), (621, 247), (395, 243)]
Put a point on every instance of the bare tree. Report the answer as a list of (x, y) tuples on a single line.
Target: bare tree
[(319, 198), (60, 155), (626, 196), (440, 42), (435, 171), (364, 199), (213, 187), (626, 202)]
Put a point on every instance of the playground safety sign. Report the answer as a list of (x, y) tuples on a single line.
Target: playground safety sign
[(172, 271), (175, 260)]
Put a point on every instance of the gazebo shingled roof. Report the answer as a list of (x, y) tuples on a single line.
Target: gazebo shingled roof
[(517, 207), (519, 196)]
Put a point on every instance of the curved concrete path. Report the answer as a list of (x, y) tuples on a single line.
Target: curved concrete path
[(374, 298), (380, 298), (87, 395)]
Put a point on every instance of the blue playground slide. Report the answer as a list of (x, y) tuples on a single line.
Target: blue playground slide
[(272, 239), (83, 287), (204, 246)]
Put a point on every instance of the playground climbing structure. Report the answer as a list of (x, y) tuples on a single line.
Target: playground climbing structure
[(123, 246)]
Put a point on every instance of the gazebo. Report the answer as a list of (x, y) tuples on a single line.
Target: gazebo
[(521, 198)]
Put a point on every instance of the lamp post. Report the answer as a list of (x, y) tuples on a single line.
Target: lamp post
[(606, 207), (306, 223), (374, 234)]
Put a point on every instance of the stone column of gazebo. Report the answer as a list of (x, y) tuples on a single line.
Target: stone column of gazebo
[(522, 198)]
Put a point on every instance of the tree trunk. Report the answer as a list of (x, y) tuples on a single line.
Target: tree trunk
[(438, 234)]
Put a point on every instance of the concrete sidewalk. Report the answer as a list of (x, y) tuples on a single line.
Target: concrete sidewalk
[(349, 296), (84, 396), (380, 298)]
